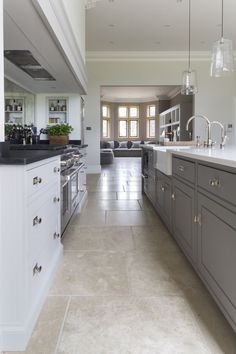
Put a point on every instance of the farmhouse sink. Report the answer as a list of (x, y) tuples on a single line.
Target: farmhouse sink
[(163, 157)]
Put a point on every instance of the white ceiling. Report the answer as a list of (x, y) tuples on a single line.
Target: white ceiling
[(157, 25), (137, 93)]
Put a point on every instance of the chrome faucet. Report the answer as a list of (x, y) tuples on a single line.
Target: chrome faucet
[(208, 143), (223, 134)]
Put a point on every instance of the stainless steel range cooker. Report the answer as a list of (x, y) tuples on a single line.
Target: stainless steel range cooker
[(73, 183)]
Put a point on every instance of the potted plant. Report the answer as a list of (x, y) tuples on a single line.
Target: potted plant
[(59, 133), (8, 131)]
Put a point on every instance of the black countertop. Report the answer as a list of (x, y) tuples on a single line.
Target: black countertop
[(24, 157)]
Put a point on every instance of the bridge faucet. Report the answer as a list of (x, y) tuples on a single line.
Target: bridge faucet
[(223, 134), (208, 143)]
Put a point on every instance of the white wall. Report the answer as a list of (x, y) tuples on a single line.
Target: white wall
[(2, 114), (216, 98), (74, 112)]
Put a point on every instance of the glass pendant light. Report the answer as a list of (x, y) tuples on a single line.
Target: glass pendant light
[(222, 61), (189, 77)]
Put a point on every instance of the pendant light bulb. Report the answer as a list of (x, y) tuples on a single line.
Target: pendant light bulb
[(189, 77), (222, 59)]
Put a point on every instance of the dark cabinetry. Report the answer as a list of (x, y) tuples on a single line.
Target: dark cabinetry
[(163, 197)]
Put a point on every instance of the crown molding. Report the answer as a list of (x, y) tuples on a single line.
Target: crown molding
[(130, 100), (93, 56), (174, 92)]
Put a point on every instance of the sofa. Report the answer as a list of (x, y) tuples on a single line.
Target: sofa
[(123, 148)]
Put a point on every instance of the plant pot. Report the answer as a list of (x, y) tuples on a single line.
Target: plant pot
[(59, 139)]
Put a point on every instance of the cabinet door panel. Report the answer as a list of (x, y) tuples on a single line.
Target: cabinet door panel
[(163, 198), (183, 217), (217, 246)]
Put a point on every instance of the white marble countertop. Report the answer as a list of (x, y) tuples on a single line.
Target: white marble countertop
[(225, 156)]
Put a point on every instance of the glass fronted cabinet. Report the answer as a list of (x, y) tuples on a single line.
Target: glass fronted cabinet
[(57, 110)]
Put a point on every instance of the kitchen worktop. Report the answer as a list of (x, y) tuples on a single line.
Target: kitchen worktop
[(225, 156), (24, 157)]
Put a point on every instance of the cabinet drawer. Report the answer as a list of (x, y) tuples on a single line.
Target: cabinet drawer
[(184, 169), (39, 177), (43, 221), (218, 182), (40, 269)]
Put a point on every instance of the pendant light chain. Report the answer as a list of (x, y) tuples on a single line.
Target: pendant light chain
[(189, 32), (222, 19)]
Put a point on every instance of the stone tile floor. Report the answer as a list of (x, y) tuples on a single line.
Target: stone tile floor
[(124, 287)]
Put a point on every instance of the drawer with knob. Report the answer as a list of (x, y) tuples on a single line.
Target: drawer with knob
[(218, 182), (40, 266), (43, 220), (184, 169), (41, 176)]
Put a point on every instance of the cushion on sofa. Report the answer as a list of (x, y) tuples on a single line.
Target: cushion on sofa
[(129, 144), (111, 143), (123, 144), (116, 144), (136, 144)]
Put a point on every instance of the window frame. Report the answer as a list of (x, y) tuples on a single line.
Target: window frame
[(148, 111), (107, 119), (148, 122), (128, 120)]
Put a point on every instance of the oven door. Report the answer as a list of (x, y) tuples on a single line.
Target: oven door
[(74, 190), (65, 202)]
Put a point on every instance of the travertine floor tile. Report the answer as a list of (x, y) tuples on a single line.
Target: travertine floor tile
[(100, 204), (129, 195), (99, 238), (45, 335), (158, 273), (91, 273), (131, 218), (102, 195), (124, 325), (89, 217), (149, 238), (218, 335)]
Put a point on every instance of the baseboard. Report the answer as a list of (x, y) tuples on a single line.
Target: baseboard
[(93, 169), (15, 338)]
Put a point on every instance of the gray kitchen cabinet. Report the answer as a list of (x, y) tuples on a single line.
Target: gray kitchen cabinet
[(216, 253), (150, 187), (163, 197), (183, 217)]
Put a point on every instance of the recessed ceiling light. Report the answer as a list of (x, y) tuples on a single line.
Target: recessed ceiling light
[(203, 42), (167, 25), (111, 42), (218, 25), (111, 25), (157, 42), (53, 87)]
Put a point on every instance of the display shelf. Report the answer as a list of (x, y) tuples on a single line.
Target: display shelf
[(14, 110), (57, 110)]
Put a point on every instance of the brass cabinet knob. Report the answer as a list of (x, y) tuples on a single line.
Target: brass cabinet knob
[(56, 169)]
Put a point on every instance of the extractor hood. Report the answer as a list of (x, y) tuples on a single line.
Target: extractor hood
[(24, 60)]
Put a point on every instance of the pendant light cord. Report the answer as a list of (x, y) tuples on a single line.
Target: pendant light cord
[(189, 32), (222, 19)]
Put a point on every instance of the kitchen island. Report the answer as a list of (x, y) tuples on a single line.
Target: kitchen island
[(30, 239), (197, 203)]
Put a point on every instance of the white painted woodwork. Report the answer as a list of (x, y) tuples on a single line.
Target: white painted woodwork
[(27, 195)]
